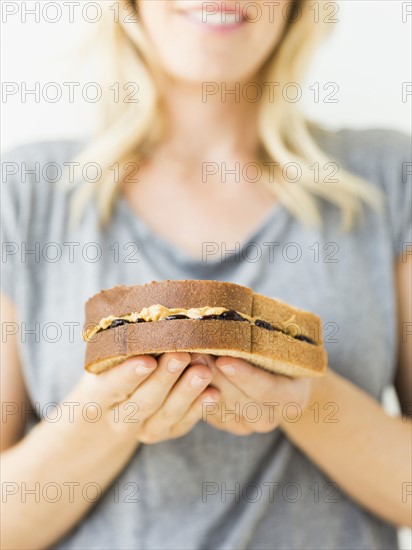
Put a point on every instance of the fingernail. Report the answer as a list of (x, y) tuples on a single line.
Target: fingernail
[(197, 382), (174, 365), (142, 368), (228, 369), (198, 358), (211, 399), (198, 361)]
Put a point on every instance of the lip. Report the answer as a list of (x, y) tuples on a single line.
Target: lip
[(228, 7), (200, 16)]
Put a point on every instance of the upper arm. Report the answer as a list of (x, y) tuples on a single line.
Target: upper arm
[(14, 397), (403, 381)]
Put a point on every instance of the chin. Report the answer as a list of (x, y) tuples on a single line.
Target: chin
[(210, 72)]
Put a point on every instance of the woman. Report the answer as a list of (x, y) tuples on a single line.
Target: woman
[(323, 467)]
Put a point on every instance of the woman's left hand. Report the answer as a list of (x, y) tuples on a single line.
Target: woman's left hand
[(252, 400)]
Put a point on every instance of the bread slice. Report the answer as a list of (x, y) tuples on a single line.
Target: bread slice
[(293, 347)]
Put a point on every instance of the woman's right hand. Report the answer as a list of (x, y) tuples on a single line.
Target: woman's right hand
[(79, 449), (148, 400)]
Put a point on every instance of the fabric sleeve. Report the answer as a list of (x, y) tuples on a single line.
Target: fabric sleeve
[(397, 180), (11, 230), (384, 159), (27, 202)]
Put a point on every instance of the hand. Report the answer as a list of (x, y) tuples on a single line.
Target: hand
[(150, 400), (252, 399)]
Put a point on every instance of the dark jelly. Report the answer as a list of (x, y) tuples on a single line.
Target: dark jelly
[(177, 316), (230, 315), (264, 324), (303, 338), (118, 323)]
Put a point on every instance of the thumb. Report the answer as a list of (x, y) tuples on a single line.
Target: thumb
[(116, 384)]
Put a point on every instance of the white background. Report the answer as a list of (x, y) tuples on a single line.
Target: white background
[(368, 57)]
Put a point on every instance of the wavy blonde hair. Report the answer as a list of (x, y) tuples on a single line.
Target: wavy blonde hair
[(128, 131)]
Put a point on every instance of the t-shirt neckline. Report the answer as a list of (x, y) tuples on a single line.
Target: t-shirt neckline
[(277, 214)]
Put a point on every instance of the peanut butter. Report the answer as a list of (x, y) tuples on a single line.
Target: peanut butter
[(158, 312)]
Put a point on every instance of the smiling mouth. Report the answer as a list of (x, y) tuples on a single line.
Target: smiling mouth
[(217, 20)]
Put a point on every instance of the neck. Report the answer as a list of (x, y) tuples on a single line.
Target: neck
[(203, 122)]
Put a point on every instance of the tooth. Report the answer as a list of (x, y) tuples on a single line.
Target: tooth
[(215, 18), (220, 17)]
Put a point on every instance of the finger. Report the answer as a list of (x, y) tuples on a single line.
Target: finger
[(209, 397), (238, 413), (256, 383), (186, 390), (151, 394), (235, 428), (233, 398), (117, 383), (203, 358)]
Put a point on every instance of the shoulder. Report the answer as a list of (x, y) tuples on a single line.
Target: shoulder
[(34, 210), (44, 150), (382, 156), (32, 181), (37, 163), (384, 159)]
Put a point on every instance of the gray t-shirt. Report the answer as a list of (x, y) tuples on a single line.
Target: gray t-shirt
[(210, 489)]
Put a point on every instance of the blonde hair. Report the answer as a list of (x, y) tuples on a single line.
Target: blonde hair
[(128, 131)]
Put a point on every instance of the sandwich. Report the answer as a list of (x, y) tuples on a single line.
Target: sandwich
[(212, 317)]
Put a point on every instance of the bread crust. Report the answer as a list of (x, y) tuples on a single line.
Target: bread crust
[(187, 294), (271, 350)]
